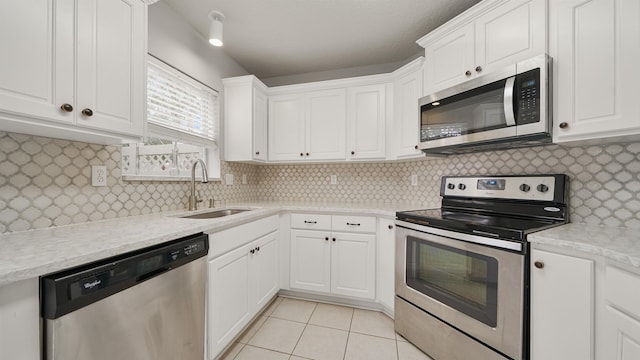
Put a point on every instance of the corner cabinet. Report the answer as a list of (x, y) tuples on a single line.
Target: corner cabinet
[(245, 119), (404, 128), (333, 254), (595, 45), (73, 69), (489, 36)]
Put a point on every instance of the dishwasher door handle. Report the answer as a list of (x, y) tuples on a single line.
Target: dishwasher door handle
[(151, 274)]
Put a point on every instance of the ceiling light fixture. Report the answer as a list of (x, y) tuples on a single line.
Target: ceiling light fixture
[(215, 29)]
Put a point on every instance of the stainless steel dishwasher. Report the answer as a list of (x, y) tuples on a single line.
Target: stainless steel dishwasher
[(144, 305)]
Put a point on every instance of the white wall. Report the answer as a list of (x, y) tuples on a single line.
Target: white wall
[(174, 41)]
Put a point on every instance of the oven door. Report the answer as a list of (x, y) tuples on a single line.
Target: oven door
[(472, 287)]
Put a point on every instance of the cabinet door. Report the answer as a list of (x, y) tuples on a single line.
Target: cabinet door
[(263, 270), (110, 65), (595, 46), (514, 31), (310, 260), (286, 127), (367, 122), (618, 336), (407, 90), (386, 263), (353, 265), (229, 308), (35, 80), (20, 320), (448, 60), (259, 125), (326, 124), (562, 307)]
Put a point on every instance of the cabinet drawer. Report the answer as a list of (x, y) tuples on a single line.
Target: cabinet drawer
[(311, 221), (622, 289), (227, 240), (352, 223)]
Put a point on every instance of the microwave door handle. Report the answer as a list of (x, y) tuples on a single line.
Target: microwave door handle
[(509, 114)]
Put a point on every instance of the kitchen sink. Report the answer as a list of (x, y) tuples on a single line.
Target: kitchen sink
[(215, 214)]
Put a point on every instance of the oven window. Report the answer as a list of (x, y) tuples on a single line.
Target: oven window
[(465, 281)]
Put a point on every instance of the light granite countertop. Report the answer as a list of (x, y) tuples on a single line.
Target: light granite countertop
[(32, 253), (618, 244)]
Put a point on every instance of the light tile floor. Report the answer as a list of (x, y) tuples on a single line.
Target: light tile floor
[(299, 330)]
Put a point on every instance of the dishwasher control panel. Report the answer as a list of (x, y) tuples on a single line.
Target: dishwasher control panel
[(75, 288)]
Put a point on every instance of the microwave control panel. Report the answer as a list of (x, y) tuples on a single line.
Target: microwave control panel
[(527, 93)]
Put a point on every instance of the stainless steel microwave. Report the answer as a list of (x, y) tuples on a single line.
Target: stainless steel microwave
[(503, 109)]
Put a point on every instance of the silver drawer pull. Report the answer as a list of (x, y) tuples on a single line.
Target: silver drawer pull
[(310, 222), (350, 224)]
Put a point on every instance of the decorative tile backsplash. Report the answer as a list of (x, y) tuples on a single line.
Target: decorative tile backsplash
[(604, 187), (47, 182)]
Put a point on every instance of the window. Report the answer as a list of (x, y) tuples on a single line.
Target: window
[(182, 126)]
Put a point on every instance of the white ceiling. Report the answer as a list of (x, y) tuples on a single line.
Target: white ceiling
[(271, 38)]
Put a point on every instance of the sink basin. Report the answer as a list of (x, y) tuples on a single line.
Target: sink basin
[(215, 214)]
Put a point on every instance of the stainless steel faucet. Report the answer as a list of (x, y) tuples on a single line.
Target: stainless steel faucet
[(193, 200)]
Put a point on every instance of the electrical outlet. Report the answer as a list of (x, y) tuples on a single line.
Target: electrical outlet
[(334, 179), (98, 175), (228, 179), (244, 179), (414, 180)]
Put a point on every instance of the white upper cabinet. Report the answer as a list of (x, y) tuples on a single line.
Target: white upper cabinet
[(308, 126), (595, 45), (367, 121), (245, 119), (286, 127), (325, 125), (72, 65), (404, 127), (489, 36)]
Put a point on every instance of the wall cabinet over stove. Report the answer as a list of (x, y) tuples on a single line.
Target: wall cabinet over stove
[(485, 38), (73, 69)]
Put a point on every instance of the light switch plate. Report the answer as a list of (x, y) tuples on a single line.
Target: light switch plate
[(414, 180), (334, 179), (98, 175), (228, 179), (244, 179)]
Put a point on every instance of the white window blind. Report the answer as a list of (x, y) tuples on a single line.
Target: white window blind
[(179, 103)]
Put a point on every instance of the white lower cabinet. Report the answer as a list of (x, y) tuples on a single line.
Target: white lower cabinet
[(241, 281), (20, 320), (583, 307), (335, 262), (386, 264), (562, 309), (620, 331)]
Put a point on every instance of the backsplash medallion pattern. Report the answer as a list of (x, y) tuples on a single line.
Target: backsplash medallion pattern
[(47, 182)]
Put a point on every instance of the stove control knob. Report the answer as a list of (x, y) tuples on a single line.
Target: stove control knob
[(462, 186), (451, 186), (525, 187), (543, 188)]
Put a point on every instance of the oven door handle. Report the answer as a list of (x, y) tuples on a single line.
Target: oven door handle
[(509, 114), (485, 233)]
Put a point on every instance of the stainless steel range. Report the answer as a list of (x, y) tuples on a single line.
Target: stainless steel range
[(462, 282)]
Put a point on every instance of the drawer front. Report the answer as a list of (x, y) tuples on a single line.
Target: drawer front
[(311, 221), (622, 289), (226, 240), (352, 223)]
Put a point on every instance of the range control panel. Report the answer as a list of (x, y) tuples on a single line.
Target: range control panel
[(540, 188)]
